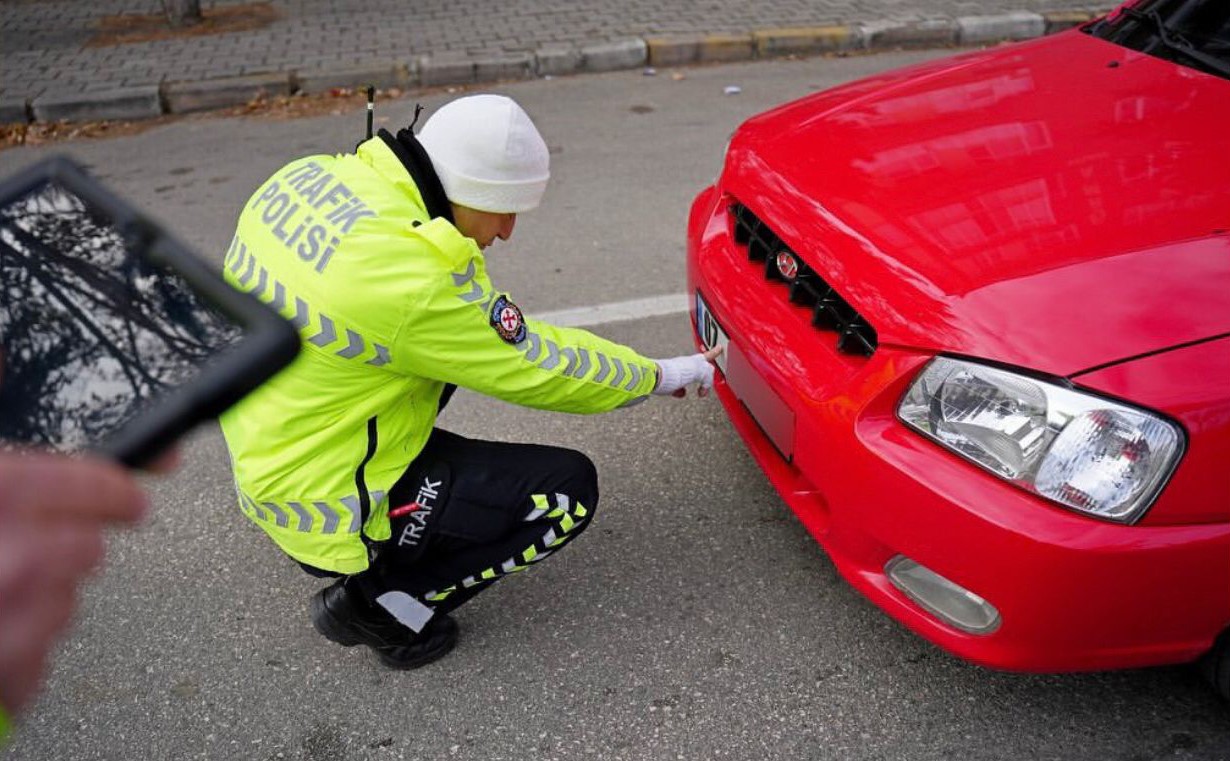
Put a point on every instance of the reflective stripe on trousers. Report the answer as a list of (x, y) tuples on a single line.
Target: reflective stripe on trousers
[(567, 517)]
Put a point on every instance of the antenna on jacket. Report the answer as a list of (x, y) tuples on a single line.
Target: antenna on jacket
[(371, 109)]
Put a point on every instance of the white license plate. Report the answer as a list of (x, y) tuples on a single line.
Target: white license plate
[(711, 333)]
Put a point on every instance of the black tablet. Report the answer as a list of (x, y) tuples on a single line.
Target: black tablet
[(114, 337)]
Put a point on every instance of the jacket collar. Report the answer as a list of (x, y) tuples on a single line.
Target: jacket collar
[(403, 161)]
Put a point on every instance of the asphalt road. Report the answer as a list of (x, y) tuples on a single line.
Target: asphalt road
[(695, 620)]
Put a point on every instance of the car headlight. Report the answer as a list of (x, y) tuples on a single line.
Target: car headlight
[(1083, 451)]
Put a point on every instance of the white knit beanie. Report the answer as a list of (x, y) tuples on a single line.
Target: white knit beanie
[(488, 154)]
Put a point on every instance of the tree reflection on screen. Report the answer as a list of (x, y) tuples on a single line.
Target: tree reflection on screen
[(90, 332)]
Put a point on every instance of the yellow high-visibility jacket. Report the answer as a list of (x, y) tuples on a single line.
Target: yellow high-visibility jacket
[(391, 305)]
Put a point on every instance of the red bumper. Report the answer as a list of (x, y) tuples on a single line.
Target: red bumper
[(1073, 593)]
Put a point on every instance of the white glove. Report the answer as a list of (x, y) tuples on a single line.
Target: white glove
[(677, 373)]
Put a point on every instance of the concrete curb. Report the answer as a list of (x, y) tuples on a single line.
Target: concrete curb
[(14, 110), (497, 68), (673, 50), (976, 30), (1058, 21), (549, 60), (383, 76), (613, 56), (771, 43), (554, 60), (723, 48), (892, 34), (436, 71), (143, 102), (207, 94)]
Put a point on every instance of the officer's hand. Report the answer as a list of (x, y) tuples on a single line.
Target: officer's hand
[(677, 373)]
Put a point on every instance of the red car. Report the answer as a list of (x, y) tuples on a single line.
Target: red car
[(977, 318)]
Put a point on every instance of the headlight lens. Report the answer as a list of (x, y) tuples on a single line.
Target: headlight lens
[(1080, 450)]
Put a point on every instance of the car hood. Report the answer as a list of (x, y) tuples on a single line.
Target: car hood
[(1059, 205)]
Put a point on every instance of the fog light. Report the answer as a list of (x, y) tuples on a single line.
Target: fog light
[(940, 597)]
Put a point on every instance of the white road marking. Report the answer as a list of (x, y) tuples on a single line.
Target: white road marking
[(616, 311)]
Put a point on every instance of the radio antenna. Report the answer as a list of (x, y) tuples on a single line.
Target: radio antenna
[(371, 109)]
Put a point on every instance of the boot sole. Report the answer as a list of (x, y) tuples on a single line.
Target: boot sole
[(430, 656)]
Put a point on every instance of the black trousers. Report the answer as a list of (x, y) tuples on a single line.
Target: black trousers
[(466, 513)]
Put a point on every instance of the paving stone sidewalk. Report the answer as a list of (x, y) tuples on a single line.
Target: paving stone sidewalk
[(47, 71)]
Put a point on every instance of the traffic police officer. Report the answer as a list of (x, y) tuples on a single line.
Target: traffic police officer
[(376, 257)]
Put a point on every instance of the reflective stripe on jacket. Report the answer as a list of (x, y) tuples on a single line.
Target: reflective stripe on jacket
[(391, 305)]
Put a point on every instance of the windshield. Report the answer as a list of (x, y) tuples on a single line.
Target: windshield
[(1193, 33)]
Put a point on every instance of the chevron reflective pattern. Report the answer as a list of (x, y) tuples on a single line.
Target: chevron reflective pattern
[(565, 516), (475, 291), (317, 328), (548, 355), (310, 516)]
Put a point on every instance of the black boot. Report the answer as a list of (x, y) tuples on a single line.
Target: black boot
[(341, 615)]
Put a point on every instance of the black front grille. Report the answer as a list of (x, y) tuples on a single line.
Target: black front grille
[(829, 311)]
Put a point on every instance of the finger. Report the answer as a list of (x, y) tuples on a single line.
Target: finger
[(32, 627), (165, 462), (59, 552), (55, 487), (71, 551), (714, 353), (36, 618), (23, 675), (21, 560)]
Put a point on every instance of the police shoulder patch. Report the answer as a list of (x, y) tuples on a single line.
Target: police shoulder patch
[(508, 321)]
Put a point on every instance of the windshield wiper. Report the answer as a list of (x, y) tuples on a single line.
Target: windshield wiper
[(1176, 42)]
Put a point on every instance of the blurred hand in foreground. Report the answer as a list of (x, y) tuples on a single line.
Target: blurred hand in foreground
[(53, 512)]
